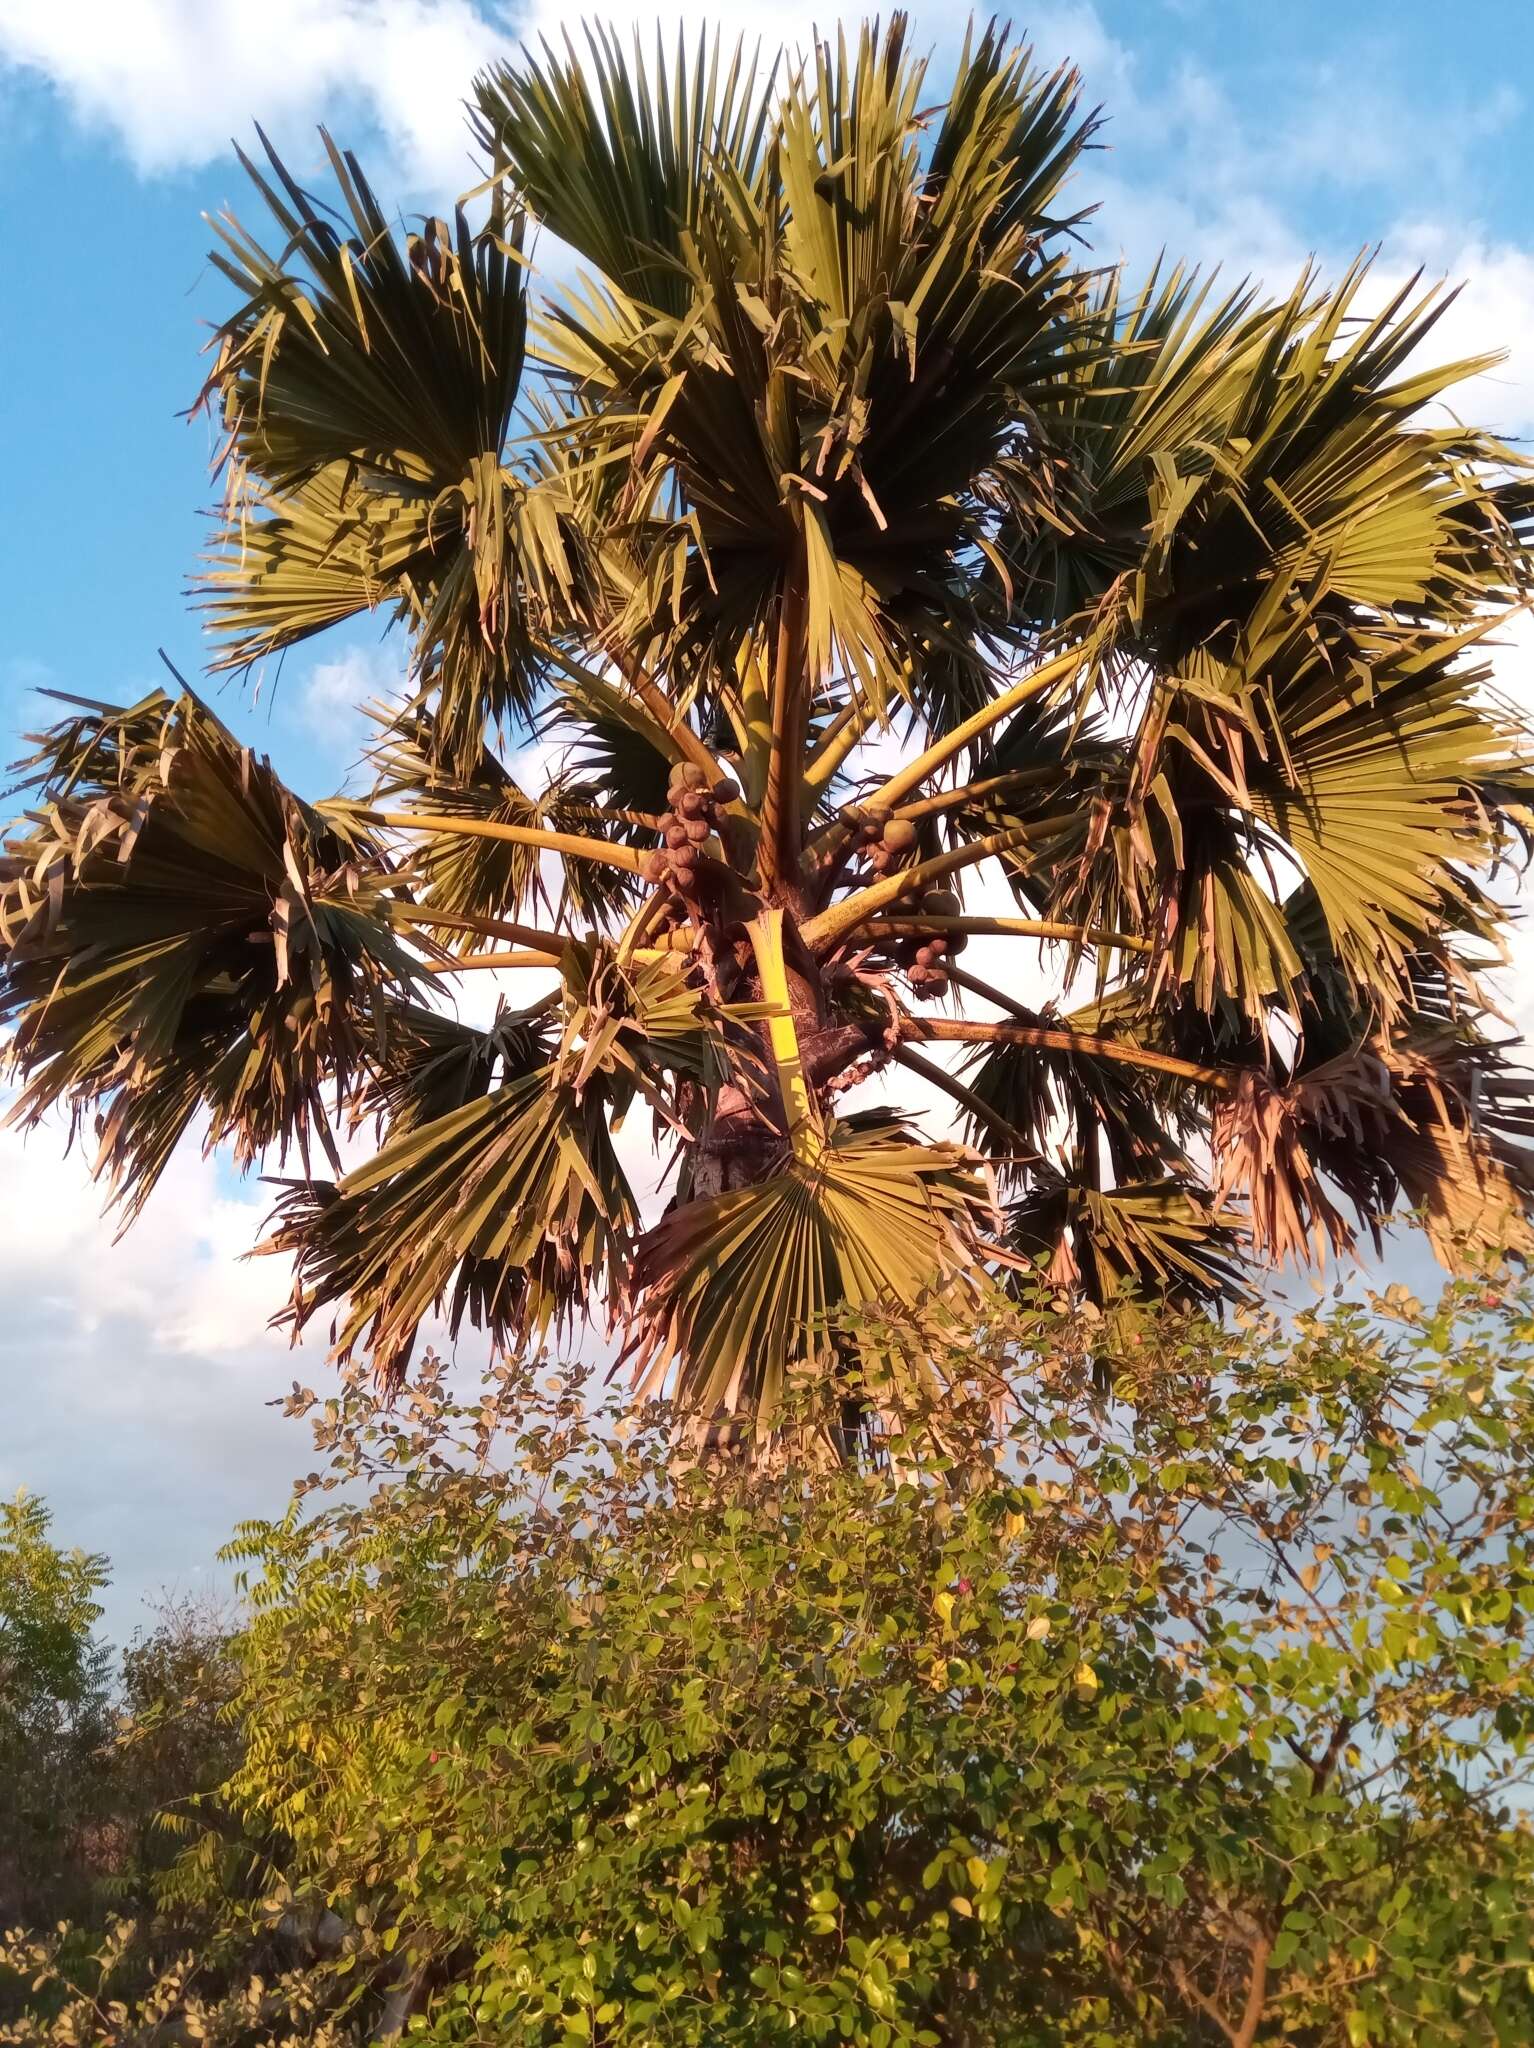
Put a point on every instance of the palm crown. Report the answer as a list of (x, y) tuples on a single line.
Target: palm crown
[(1171, 599)]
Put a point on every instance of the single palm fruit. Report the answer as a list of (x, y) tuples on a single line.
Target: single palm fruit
[(691, 803), (697, 830), (925, 956), (726, 790), (676, 833), (944, 903), (684, 858), (899, 836), (688, 775), (656, 867)]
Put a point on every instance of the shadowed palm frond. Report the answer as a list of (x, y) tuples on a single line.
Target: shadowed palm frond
[(180, 934), (1126, 1249), (426, 1064)]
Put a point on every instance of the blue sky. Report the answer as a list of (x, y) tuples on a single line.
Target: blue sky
[(1249, 135)]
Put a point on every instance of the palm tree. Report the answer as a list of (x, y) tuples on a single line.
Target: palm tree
[(855, 541)]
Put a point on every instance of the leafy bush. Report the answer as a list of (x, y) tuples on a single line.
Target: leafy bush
[(1195, 1712), (53, 1710)]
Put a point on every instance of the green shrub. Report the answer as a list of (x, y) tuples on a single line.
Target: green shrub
[(1197, 1713)]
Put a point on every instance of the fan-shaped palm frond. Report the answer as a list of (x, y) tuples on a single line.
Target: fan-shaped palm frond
[(505, 1214), (367, 391), (736, 1293), (623, 164), (180, 933), (1126, 1249)]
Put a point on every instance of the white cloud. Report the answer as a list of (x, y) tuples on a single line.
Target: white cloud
[(179, 1271), (329, 704), (172, 80), (138, 1371), (1493, 313)]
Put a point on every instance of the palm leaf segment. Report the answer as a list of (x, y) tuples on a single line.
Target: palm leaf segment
[(509, 1207), (1178, 602)]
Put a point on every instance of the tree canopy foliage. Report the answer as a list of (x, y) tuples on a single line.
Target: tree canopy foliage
[(881, 572)]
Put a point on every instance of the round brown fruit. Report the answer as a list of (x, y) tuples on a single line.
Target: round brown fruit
[(691, 803), (899, 836), (656, 867), (697, 830), (726, 790), (690, 776)]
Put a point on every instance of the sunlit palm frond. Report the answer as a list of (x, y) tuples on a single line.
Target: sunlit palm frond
[(504, 1215), (621, 160), (366, 384), (735, 1294)]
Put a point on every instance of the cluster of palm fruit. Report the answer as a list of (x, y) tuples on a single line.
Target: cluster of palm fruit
[(686, 826), (926, 959), (889, 842)]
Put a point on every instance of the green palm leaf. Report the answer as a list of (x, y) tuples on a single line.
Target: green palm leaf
[(180, 933), (622, 163), (367, 390), (734, 1294)]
